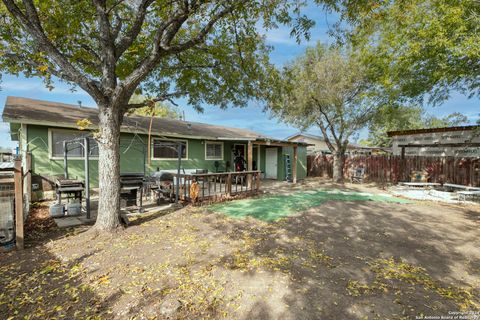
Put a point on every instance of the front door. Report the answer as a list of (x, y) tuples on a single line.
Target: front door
[(271, 163), (239, 155)]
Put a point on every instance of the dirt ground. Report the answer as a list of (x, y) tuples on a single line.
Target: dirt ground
[(340, 260)]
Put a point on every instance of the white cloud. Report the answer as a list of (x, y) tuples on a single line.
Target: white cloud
[(280, 36), (4, 127)]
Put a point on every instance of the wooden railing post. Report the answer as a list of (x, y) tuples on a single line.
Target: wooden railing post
[(249, 164), (19, 236), (28, 176), (294, 164), (229, 185), (258, 182)]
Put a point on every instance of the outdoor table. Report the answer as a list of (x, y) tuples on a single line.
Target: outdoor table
[(462, 195)]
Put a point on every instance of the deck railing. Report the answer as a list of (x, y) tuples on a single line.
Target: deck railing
[(213, 187)]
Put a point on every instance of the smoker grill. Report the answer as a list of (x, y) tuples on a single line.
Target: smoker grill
[(69, 187), (130, 185), (162, 182)]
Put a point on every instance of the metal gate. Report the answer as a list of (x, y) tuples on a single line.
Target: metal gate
[(7, 209)]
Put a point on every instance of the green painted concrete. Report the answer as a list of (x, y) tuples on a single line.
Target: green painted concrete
[(132, 157), (271, 208)]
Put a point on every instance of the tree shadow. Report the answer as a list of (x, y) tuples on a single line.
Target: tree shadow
[(37, 285), (40, 227), (325, 262), (329, 251)]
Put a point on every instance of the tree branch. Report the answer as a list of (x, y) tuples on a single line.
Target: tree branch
[(330, 125), (325, 136), (162, 48), (205, 30), (129, 37), (117, 27), (31, 25), (109, 79), (166, 97), (37, 65)]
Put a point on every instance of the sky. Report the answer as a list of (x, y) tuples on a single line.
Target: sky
[(251, 117)]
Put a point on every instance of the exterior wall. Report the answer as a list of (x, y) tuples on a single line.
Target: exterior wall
[(301, 162), (318, 145), (437, 137), (46, 169)]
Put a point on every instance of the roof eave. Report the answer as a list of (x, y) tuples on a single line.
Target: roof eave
[(431, 130), (123, 130)]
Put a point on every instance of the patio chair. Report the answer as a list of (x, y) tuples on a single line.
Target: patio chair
[(358, 175)]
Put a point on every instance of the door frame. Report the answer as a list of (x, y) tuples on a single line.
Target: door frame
[(267, 162)]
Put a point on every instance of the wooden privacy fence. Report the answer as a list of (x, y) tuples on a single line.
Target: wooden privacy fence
[(392, 169)]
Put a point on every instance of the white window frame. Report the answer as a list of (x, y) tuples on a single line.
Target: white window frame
[(50, 145), (173, 140), (217, 143)]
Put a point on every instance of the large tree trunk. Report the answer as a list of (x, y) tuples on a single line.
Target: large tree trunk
[(338, 163), (109, 169)]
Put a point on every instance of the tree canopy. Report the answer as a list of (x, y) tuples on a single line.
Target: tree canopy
[(327, 87), (159, 109), (416, 49), (206, 51)]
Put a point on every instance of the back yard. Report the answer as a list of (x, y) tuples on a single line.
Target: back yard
[(337, 255)]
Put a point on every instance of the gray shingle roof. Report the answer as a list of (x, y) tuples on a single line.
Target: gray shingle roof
[(24, 110)]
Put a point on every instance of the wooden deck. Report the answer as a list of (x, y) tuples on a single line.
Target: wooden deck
[(213, 187)]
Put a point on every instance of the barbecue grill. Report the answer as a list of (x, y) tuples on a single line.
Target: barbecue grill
[(130, 185), (162, 182), (69, 187)]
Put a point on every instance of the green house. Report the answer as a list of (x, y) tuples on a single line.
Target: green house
[(42, 127)]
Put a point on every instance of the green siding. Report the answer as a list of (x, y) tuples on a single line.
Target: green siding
[(196, 158), (301, 162), (44, 165), (132, 157), (262, 158)]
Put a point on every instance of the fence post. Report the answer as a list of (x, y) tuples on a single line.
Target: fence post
[(18, 204)]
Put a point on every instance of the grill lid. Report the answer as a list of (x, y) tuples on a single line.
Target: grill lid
[(68, 183), (131, 179)]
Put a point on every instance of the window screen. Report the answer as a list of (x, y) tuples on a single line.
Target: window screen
[(214, 151), (168, 149), (75, 149)]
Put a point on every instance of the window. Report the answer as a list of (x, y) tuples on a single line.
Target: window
[(74, 149), (168, 149), (213, 150)]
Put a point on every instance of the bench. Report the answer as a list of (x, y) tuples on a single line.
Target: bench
[(459, 186)]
